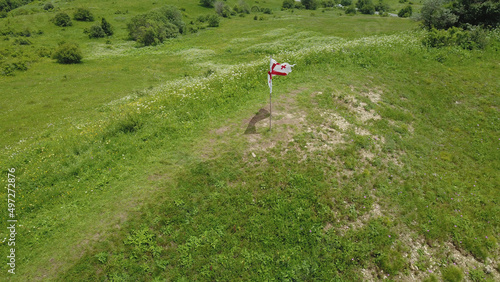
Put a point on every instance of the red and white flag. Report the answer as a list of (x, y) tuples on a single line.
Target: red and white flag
[(277, 69)]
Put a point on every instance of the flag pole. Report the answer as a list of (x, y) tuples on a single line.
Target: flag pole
[(270, 98)]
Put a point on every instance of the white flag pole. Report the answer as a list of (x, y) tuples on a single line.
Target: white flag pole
[(270, 91)]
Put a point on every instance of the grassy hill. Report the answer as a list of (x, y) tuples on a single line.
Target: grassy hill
[(156, 163)]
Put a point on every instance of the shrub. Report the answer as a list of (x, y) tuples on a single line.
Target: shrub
[(255, 9), (299, 6), (310, 4), (62, 19), (83, 15), (106, 27), (243, 7), (381, 6), (267, 11), (366, 7), (156, 26), (346, 3), (351, 10), (406, 12), (328, 3), (207, 3), (48, 6), (68, 53), (452, 274), (288, 4), (213, 21), (223, 10), (475, 38), (96, 31), (434, 15)]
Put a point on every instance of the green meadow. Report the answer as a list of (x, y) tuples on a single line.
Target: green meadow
[(157, 163)]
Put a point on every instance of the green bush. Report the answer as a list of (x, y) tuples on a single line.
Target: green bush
[(381, 6), (255, 9), (406, 12), (452, 274), (156, 26), (68, 53), (288, 4), (106, 27), (48, 6), (213, 21), (475, 38), (62, 19), (310, 4), (96, 31), (346, 3), (366, 7), (83, 15), (351, 10), (267, 11), (207, 3), (434, 15), (328, 3), (223, 10)]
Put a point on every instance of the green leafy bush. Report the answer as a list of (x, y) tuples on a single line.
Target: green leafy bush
[(62, 19), (213, 21), (106, 27), (83, 15), (366, 7), (310, 4), (48, 6), (68, 53), (207, 3), (351, 10), (453, 274), (346, 3), (223, 10), (381, 6), (406, 12), (475, 38), (328, 3), (154, 27), (434, 15), (288, 4), (96, 31)]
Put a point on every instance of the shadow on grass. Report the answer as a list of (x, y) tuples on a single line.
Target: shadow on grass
[(262, 114)]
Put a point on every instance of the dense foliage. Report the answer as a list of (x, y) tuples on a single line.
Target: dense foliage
[(154, 27), (366, 7), (406, 12), (310, 4), (8, 5), (442, 14), (83, 15), (68, 53), (62, 19)]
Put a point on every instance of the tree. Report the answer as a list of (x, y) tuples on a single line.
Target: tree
[(346, 3), (62, 19), (434, 15), (406, 12), (288, 4), (366, 7), (106, 27), (477, 12), (68, 53), (310, 4)]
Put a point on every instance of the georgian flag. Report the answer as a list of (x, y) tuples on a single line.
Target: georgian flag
[(277, 69)]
